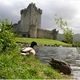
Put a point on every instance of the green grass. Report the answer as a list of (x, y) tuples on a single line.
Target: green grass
[(42, 41), (15, 66)]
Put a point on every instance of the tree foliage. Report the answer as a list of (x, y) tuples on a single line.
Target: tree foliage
[(7, 40), (68, 34)]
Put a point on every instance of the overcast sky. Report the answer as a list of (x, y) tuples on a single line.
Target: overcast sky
[(67, 9)]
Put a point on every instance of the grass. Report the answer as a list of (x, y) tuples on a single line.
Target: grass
[(42, 41), (15, 66)]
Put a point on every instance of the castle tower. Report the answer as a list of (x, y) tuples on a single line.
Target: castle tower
[(30, 20)]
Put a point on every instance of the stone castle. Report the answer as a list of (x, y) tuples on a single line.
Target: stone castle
[(30, 24)]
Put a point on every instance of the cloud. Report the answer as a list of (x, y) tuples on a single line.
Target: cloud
[(67, 9), (62, 9), (10, 9)]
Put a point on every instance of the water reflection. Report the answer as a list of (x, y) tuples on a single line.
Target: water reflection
[(68, 54)]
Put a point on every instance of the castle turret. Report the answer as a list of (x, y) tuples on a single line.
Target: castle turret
[(30, 16)]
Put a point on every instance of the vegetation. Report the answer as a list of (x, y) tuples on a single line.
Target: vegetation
[(15, 66), (6, 36), (42, 41), (68, 34), (76, 45)]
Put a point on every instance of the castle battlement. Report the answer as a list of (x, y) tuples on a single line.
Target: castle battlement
[(40, 11), (30, 7), (23, 11)]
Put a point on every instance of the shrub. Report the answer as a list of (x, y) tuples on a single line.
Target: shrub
[(7, 39), (76, 44)]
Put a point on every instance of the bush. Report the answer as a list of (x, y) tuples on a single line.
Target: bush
[(76, 44), (7, 39)]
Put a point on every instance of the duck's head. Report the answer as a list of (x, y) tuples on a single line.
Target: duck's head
[(33, 44)]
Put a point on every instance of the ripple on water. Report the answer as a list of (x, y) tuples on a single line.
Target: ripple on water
[(69, 54), (76, 75)]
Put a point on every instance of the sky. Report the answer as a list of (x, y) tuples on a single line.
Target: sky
[(69, 10)]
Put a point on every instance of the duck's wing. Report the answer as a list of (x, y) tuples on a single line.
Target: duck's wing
[(27, 49), (32, 52)]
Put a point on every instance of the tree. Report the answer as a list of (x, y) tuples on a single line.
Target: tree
[(7, 40), (68, 34)]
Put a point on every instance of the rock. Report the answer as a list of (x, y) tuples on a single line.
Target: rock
[(61, 66)]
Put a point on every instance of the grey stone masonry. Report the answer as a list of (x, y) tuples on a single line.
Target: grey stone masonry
[(30, 24)]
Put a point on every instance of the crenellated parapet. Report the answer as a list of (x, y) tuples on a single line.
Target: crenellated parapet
[(30, 7), (23, 11), (40, 11)]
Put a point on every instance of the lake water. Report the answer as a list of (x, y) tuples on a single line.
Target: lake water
[(68, 54)]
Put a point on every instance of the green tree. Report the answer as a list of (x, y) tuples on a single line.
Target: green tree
[(68, 34), (7, 39)]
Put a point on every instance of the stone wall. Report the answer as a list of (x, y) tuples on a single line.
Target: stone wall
[(33, 31), (47, 34), (16, 27), (25, 20)]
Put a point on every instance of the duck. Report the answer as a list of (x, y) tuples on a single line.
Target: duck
[(29, 50), (61, 66)]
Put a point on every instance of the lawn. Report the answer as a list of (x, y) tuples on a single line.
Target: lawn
[(42, 41)]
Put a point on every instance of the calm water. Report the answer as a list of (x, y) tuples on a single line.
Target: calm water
[(68, 54)]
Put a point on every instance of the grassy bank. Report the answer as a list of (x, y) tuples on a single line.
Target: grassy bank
[(15, 66), (42, 41)]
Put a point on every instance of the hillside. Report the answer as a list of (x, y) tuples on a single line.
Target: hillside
[(76, 37)]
